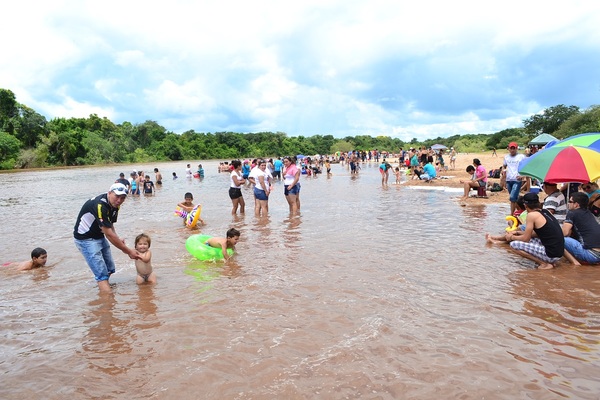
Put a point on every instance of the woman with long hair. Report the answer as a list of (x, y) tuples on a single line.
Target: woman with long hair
[(235, 188), (291, 184)]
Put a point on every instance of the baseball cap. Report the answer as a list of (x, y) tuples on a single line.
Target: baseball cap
[(119, 189), (513, 144), (531, 198)]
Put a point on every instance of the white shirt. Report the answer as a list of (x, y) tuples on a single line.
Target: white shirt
[(239, 177), (267, 177), (512, 166)]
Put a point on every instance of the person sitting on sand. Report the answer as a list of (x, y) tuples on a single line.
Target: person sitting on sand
[(549, 245), (428, 172), (478, 178)]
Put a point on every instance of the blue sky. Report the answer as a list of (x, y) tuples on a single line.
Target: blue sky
[(341, 67)]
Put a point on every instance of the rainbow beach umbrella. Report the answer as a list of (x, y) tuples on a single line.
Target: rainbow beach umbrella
[(587, 140), (559, 164)]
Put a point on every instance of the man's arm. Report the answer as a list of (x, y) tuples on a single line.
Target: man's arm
[(567, 227), (112, 237)]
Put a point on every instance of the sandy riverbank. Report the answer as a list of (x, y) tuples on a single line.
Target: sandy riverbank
[(452, 178)]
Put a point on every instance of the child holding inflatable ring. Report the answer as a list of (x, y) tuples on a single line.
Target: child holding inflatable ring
[(515, 222)]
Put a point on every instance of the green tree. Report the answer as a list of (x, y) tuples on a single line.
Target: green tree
[(585, 122), (501, 139), (29, 126), (8, 110), (341, 146), (549, 121), (9, 149)]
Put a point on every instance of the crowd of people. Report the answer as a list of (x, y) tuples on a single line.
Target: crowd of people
[(566, 224)]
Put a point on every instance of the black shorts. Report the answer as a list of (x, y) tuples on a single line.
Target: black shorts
[(235, 193), (276, 174)]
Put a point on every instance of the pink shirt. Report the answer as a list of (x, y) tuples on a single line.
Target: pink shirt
[(480, 173)]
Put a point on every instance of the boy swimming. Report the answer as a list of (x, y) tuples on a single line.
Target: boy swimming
[(39, 257), (228, 242)]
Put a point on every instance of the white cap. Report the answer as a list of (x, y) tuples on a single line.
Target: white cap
[(119, 189)]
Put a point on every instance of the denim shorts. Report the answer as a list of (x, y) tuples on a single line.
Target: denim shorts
[(295, 189), (98, 257), (514, 188), (260, 194), (582, 255)]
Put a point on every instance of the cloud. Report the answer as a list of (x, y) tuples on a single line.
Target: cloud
[(344, 68)]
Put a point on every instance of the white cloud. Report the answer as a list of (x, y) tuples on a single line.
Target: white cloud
[(314, 67)]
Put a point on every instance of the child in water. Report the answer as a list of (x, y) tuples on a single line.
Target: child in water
[(398, 175), (520, 215), (186, 207), (39, 257), (143, 265), (149, 186), (229, 242)]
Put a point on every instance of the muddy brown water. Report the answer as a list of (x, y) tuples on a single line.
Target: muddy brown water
[(373, 292)]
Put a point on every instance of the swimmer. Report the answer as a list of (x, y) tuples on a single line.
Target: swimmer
[(143, 265), (39, 257), (229, 242)]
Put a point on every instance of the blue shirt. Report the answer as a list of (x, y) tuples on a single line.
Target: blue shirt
[(277, 164), (429, 170)]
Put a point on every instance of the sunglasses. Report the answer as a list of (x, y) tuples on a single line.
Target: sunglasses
[(512, 147), (586, 187)]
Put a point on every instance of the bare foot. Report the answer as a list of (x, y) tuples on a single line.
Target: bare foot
[(545, 266), (489, 239)]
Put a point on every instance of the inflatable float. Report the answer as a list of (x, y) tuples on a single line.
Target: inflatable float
[(191, 218), (196, 246), (515, 223)]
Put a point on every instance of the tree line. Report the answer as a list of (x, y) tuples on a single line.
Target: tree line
[(28, 140)]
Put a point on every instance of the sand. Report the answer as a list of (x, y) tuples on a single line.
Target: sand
[(453, 177)]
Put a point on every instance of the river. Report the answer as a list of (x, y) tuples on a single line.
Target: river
[(373, 292)]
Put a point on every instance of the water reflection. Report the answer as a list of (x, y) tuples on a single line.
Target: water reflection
[(107, 336), (475, 217)]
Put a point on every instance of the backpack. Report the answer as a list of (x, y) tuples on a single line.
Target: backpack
[(496, 187)]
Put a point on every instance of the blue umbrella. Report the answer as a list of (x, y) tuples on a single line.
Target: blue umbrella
[(300, 156)]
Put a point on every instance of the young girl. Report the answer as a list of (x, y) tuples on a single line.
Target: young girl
[(398, 175), (144, 265)]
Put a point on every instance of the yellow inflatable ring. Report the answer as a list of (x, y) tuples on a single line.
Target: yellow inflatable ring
[(191, 218), (515, 224)]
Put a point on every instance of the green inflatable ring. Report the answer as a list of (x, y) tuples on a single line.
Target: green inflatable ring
[(196, 246)]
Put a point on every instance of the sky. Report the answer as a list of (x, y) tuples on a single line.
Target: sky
[(421, 69)]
